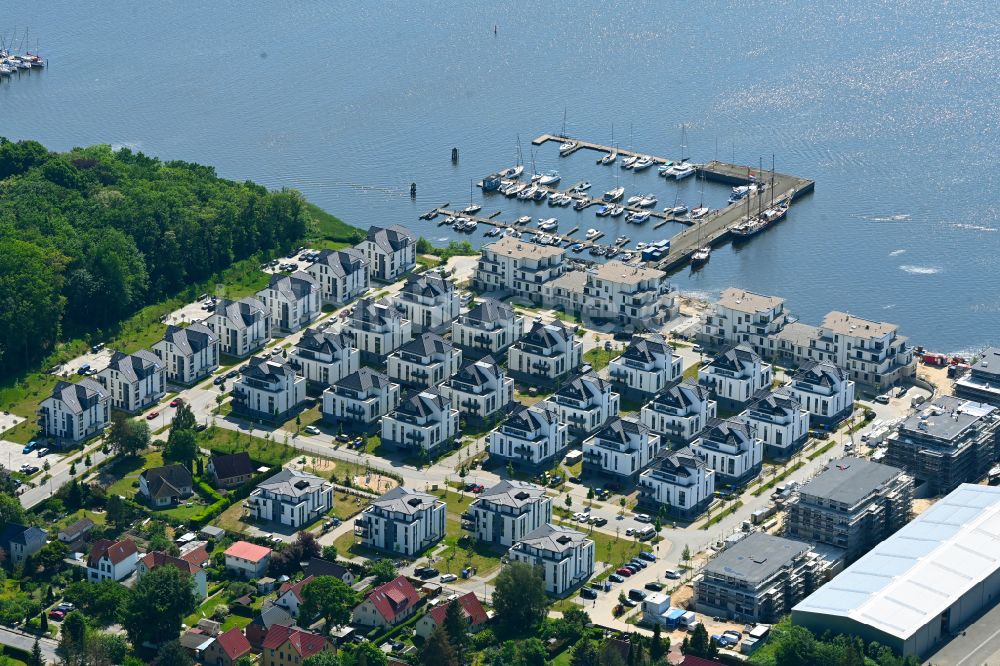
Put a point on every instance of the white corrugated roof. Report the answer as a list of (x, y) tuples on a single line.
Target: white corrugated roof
[(914, 575)]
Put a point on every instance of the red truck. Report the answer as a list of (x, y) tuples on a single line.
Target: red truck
[(935, 359)]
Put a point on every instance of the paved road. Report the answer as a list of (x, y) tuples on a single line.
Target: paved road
[(26, 642)]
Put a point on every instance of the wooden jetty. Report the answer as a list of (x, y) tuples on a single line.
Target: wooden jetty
[(493, 222)]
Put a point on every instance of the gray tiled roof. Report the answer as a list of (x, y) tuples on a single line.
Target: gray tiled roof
[(513, 493), (427, 344), (293, 287), (364, 380), (80, 396), (191, 339), (425, 403), (477, 373), (647, 349), (405, 500), (551, 537), (735, 358), (343, 262), (243, 313), (490, 310), (391, 239), (428, 285), (681, 394), (292, 482), (819, 374), (135, 366), (325, 342), (268, 369)]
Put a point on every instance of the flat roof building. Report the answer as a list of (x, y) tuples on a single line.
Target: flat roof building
[(982, 383)]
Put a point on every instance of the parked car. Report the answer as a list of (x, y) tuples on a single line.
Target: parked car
[(42, 452), (629, 603), (448, 578), (84, 369), (616, 578), (672, 574), (882, 399), (574, 479), (198, 427), (426, 572), (643, 518), (152, 415), (176, 401), (636, 595), (654, 586), (630, 531), (648, 556), (232, 374), (29, 447), (57, 615), (624, 571), (588, 593), (218, 380), (343, 437), (28, 469), (311, 430), (601, 522), (638, 563)]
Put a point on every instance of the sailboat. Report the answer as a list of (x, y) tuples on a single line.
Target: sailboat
[(609, 158), (701, 210), (515, 171), (568, 145), (472, 208)]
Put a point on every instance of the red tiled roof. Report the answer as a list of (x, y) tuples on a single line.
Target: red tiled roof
[(393, 597), (305, 643), (159, 558), (295, 588), (248, 551), (196, 556), (116, 551), (691, 660), (471, 608), (234, 643)]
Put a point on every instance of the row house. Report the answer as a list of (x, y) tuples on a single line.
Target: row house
[(480, 391), (390, 252), (403, 522), (514, 266), (134, 381), (75, 412), (506, 512), (735, 376), (341, 275), (268, 389), (429, 301), (565, 556), (730, 451), (291, 497), (190, 354), (532, 437), (743, 317), (546, 354), (646, 367), (824, 390), (489, 327), (679, 412), (378, 329), (425, 421), (679, 482), (357, 402), (620, 450), (324, 357), (425, 361), (778, 420), (242, 326), (291, 301), (585, 404)]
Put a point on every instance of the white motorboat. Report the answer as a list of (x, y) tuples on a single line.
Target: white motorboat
[(548, 224), (614, 195), (604, 210), (568, 147), (555, 199), (516, 190), (648, 201), (617, 211), (566, 201), (634, 200), (679, 209), (582, 187), (470, 225), (540, 194), (627, 257), (682, 171), (592, 234), (664, 169), (581, 203), (701, 255), (544, 239), (642, 163), (640, 246), (699, 212), (549, 178), (629, 162), (448, 221), (621, 240), (524, 219), (527, 192), (638, 218)]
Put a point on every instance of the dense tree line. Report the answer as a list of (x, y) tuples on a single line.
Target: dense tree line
[(90, 236)]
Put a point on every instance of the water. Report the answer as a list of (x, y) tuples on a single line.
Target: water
[(890, 107)]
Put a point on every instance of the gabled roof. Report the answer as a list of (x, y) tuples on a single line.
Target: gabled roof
[(241, 314), (343, 262), (115, 551), (231, 465), (490, 310), (159, 559), (292, 482), (819, 374), (428, 402), (532, 418), (20, 534), (547, 335), (681, 395), (197, 556), (167, 481), (647, 349), (134, 367), (679, 463), (619, 432), (555, 538), (248, 551), (378, 313), (736, 358), (405, 500), (584, 387), (271, 615), (471, 609), (271, 370), (293, 287), (324, 342), (80, 396), (294, 588), (364, 380), (76, 530), (191, 339), (233, 643), (317, 566), (478, 373), (728, 431), (427, 344), (428, 285), (392, 239), (305, 643), (512, 493), (394, 597)]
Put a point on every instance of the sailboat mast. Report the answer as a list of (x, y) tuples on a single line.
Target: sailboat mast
[(772, 180), (760, 199)]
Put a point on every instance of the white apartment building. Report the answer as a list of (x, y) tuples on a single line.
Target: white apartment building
[(621, 450), (291, 301), (429, 301), (679, 412), (824, 390), (190, 354), (779, 421), (872, 352), (514, 266), (505, 513), (680, 482), (358, 401), (242, 326), (268, 389), (75, 412), (341, 275), (390, 252), (530, 437), (378, 329), (735, 375), (634, 295), (425, 361), (547, 353), (291, 497), (134, 381), (402, 521), (565, 556), (480, 391), (646, 367), (585, 404), (743, 317), (728, 448), (324, 357), (490, 327), (426, 421)]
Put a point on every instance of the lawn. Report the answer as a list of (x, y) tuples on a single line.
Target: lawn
[(599, 358), (207, 607), (266, 452), (463, 551), (332, 228), (126, 472), (691, 373)]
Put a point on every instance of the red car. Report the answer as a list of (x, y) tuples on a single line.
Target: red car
[(624, 571), (175, 402), (57, 615), (152, 415)]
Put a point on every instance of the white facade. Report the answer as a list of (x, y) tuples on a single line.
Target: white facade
[(112, 560), (565, 556), (490, 327), (480, 390), (291, 301), (730, 451), (735, 375), (779, 421), (429, 301), (341, 275), (634, 295), (325, 358), (585, 404), (426, 421), (135, 381), (621, 449), (678, 481), (190, 354), (291, 498), (74, 412), (546, 353), (377, 329), (679, 412), (743, 317), (402, 521), (268, 389), (531, 436), (242, 326), (511, 265), (360, 399), (508, 511), (647, 366), (824, 390), (870, 351), (390, 252), (425, 361)]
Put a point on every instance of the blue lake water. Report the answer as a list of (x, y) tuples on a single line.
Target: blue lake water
[(890, 107)]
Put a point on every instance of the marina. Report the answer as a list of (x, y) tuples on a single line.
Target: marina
[(14, 62)]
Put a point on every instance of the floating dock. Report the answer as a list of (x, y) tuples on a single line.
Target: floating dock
[(565, 239)]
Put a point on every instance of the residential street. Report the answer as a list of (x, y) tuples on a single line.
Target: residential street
[(26, 642)]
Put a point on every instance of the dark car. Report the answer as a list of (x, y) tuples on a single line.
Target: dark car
[(424, 573), (574, 479), (654, 586), (232, 374), (601, 522), (199, 427), (629, 603), (218, 380), (343, 437), (615, 578), (588, 593), (636, 595)]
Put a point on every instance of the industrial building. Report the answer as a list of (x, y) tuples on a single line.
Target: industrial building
[(923, 584)]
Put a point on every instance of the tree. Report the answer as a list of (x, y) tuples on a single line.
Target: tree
[(438, 651), (658, 649), (51, 556), (456, 626), (383, 570), (11, 510), (157, 604), (36, 655), (183, 418), (568, 501), (43, 622), (621, 503), (590, 496), (519, 599), (127, 437), (329, 598), (72, 638), (686, 555), (585, 654), (106, 649), (172, 654), (324, 658), (364, 654), (330, 553), (120, 511), (304, 548), (182, 447), (699, 644)]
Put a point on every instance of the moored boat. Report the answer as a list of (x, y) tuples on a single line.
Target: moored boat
[(614, 195)]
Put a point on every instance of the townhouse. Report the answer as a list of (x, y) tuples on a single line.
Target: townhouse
[(585, 404), (377, 329), (678, 481), (291, 497), (646, 367), (731, 451), (480, 391), (268, 389), (324, 357), (291, 301), (190, 354), (357, 402), (565, 556), (425, 361), (735, 375), (134, 381), (779, 421), (530, 437), (679, 412), (341, 275), (424, 422), (74, 412), (506, 512), (390, 252), (489, 327), (620, 450), (242, 326), (824, 390), (429, 301), (511, 266), (403, 521), (545, 355)]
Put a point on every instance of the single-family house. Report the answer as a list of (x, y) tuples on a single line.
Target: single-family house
[(112, 560), (230, 470), (248, 559), (166, 485), (20, 542), (472, 611), (388, 604)]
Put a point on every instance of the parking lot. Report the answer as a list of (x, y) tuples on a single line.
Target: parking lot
[(8, 421), (96, 360), (190, 313), (301, 261), (12, 456)]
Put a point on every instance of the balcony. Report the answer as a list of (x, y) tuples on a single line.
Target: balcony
[(362, 528)]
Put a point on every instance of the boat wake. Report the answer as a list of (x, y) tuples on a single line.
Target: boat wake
[(896, 253), (920, 270), (972, 227), (890, 218)]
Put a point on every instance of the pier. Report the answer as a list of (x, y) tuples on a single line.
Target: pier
[(564, 238)]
